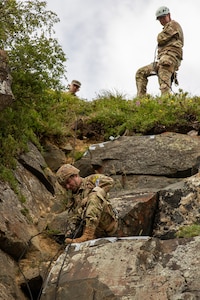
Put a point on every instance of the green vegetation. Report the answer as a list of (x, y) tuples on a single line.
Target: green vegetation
[(141, 116), (110, 114), (42, 110), (36, 63), (189, 231), (52, 232)]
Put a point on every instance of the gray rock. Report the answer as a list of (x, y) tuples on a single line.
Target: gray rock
[(154, 193), (138, 268)]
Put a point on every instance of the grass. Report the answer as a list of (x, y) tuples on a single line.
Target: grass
[(189, 231), (55, 113)]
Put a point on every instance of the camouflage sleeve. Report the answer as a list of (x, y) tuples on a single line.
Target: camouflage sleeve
[(94, 210), (169, 32)]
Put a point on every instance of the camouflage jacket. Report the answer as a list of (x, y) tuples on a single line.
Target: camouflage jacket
[(171, 40), (91, 204)]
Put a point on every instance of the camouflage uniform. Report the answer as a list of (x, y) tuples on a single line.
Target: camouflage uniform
[(170, 44), (91, 204)]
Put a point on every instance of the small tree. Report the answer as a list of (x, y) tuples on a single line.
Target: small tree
[(36, 59), (36, 62)]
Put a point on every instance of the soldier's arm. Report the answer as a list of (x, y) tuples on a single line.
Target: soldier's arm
[(170, 32), (94, 209)]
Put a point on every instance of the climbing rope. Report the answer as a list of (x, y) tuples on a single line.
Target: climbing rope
[(65, 257), (20, 257), (20, 269)]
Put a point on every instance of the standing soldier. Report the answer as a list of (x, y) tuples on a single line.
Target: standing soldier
[(90, 212), (170, 43)]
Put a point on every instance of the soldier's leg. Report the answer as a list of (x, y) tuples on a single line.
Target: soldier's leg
[(141, 78), (164, 79), (166, 67)]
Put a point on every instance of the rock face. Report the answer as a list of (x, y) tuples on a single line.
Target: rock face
[(136, 268), (6, 95), (178, 206), (154, 202), (139, 162), (148, 155)]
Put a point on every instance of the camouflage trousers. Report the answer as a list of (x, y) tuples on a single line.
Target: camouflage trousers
[(164, 68)]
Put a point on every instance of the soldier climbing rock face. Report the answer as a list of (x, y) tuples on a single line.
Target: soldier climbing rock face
[(90, 212), (170, 43)]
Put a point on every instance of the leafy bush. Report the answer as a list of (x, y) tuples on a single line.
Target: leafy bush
[(36, 62)]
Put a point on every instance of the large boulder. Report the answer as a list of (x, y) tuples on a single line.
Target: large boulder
[(168, 154), (134, 268), (145, 162)]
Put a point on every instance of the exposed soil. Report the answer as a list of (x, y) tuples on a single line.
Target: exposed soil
[(94, 132)]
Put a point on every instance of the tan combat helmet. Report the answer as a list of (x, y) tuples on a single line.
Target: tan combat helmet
[(64, 172)]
